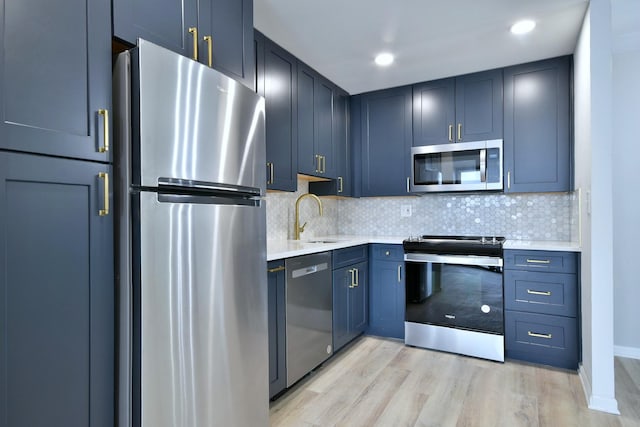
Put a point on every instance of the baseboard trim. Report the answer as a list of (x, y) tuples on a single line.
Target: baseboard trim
[(597, 403), (630, 352)]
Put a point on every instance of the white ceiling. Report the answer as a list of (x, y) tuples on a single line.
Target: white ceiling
[(430, 39)]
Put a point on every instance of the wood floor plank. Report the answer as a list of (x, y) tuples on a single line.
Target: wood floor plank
[(380, 382)]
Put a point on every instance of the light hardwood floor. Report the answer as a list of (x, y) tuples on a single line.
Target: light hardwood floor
[(379, 382)]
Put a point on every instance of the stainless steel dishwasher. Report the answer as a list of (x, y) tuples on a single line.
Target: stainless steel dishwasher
[(309, 307)]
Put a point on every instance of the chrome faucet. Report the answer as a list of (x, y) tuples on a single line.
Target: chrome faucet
[(297, 229)]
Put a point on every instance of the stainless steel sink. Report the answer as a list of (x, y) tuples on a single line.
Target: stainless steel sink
[(322, 241)]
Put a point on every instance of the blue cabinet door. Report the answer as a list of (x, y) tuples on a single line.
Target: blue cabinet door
[(55, 77), (479, 106), (185, 26), (163, 22), (358, 301), (342, 184), (276, 313), (434, 112), (229, 23), (386, 291), (308, 161), (56, 293), (350, 303), (277, 82), (315, 124), (537, 138), (386, 141)]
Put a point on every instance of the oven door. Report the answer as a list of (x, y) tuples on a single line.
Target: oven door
[(463, 292)]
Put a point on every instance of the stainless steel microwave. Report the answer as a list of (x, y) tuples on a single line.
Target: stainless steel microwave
[(463, 166)]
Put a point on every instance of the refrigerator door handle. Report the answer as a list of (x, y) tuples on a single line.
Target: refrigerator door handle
[(207, 200), (170, 184)]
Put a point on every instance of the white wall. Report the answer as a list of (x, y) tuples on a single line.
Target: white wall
[(593, 139), (626, 197)]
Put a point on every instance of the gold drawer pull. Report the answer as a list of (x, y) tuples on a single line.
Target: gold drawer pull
[(538, 261), (105, 133), (276, 269), (194, 32), (105, 210), (545, 293), (209, 41), (535, 335)]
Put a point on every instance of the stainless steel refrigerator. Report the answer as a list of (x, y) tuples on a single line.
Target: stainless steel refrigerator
[(191, 244)]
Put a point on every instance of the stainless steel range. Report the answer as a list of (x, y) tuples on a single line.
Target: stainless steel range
[(454, 294)]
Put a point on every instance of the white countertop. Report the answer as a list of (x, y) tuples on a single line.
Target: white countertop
[(542, 245), (280, 249)]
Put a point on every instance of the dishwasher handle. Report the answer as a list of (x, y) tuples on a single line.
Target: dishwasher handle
[(310, 269)]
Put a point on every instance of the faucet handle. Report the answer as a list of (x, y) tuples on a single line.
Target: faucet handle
[(302, 227)]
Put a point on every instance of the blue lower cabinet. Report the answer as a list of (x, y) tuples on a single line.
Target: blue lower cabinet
[(350, 295), (386, 291), (542, 338), (56, 293), (541, 300), (277, 330)]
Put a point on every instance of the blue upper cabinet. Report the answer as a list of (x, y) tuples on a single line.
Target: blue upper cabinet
[(216, 32), (230, 25), (479, 106), (434, 112), (163, 22), (342, 185), (315, 124), (277, 82), (55, 77), (537, 116), (385, 132), (464, 108)]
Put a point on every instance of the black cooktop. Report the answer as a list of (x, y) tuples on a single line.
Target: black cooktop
[(455, 245)]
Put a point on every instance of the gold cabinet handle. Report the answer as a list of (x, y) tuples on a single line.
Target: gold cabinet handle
[(450, 133), (209, 41), (105, 126), (509, 180), (399, 273), (105, 210), (324, 164), (317, 163), (459, 131), (352, 271), (408, 184), (544, 293), (270, 166), (276, 269), (194, 32), (340, 185), (539, 261), (536, 335), (357, 277)]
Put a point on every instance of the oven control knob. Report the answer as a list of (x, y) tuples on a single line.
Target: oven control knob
[(485, 308)]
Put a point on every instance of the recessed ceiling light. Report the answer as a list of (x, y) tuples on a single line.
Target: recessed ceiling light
[(384, 59), (523, 27)]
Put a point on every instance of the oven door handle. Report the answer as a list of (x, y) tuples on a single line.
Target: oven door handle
[(483, 261)]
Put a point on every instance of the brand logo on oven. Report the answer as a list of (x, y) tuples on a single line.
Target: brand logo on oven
[(450, 316)]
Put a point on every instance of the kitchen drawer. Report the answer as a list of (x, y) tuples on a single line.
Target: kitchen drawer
[(542, 338), (348, 256), (550, 261), (387, 252), (544, 293)]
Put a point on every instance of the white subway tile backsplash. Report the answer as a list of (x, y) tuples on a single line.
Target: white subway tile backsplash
[(527, 216)]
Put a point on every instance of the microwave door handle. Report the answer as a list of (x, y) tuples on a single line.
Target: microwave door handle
[(483, 165)]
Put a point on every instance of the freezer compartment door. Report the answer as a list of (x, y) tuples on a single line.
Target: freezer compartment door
[(201, 314), (193, 123)]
